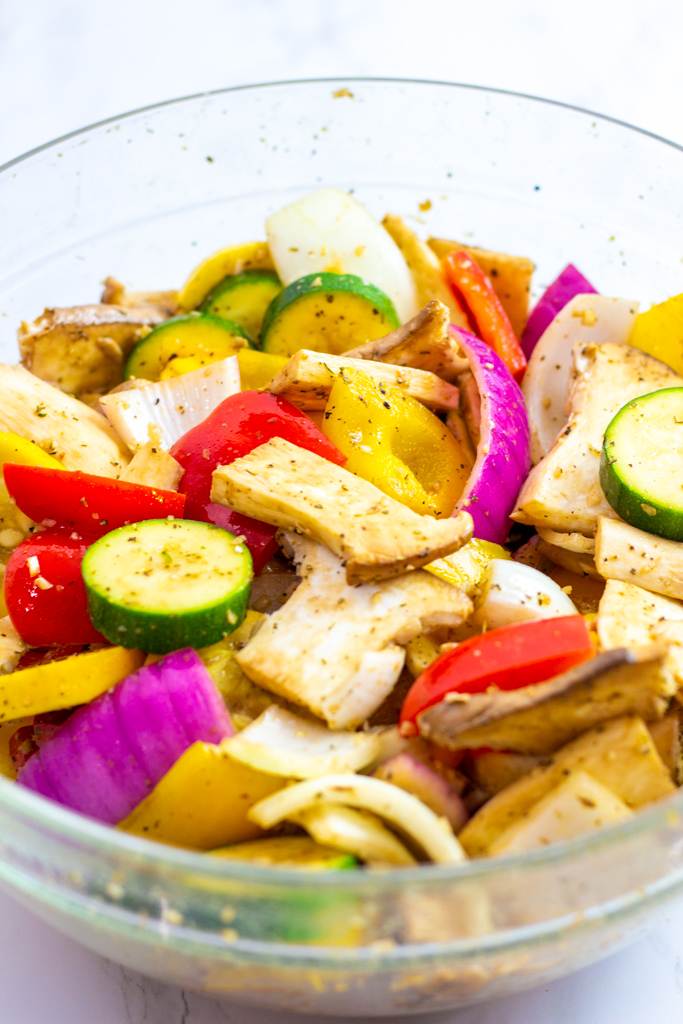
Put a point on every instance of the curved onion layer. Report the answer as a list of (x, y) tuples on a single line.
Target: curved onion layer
[(356, 832), (388, 802), (569, 283), (110, 754), (519, 593), (585, 318), (329, 230), (280, 743), (171, 407), (503, 453), (406, 772)]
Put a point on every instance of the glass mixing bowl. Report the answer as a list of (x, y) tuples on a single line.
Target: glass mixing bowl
[(145, 197)]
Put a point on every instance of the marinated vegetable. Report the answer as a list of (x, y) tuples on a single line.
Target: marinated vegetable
[(298, 598), (164, 583)]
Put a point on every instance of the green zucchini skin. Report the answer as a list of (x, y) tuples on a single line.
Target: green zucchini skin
[(641, 463), (289, 852), (216, 338), (164, 584), (306, 310), (244, 298)]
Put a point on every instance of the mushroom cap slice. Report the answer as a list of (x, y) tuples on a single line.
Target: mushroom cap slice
[(541, 718)]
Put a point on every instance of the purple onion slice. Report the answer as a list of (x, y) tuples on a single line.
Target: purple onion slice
[(111, 753), (569, 283), (503, 452)]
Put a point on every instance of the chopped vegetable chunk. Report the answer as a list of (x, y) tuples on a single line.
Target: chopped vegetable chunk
[(296, 489), (291, 594)]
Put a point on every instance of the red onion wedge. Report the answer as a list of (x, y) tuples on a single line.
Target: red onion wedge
[(406, 772), (110, 754), (569, 283), (503, 452)]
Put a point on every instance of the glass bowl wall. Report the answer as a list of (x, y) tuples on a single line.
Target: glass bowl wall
[(144, 198)]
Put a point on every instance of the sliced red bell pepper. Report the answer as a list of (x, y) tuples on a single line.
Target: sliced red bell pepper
[(43, 655), (92, 504), (470, 284), (44, 590), (240, 424), (507, 658)]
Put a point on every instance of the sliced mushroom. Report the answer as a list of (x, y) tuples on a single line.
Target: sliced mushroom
[(667, 736), (540, 718), (577, 805), (82, 349), (117, 294), (66, 428), (425, 343), (630, 616), (493, 770), (571, 551), (625, 553), (375, 536), (307, 379), (334, 648), (425, 268), (164, 410), (154, 467), (620, 754)]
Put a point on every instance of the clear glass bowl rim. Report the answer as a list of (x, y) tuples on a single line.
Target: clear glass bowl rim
[(44, 813), (336, 80)]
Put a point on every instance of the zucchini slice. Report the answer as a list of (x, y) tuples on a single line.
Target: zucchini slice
[(327, 313), (289, 852), (641, 465), (164, 584), (196, 338), (244, 298)]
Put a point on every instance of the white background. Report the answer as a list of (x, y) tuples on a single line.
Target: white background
[(67, 63)]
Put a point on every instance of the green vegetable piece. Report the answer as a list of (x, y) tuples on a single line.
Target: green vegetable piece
[(289, 852), (193, 336), (641, 464), (326, 313), (244, 298), (164, 584)]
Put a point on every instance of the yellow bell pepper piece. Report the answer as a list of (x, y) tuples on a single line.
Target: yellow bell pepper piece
[(659, 332), (14, 525), (63, 684), (257, 369), (234, 259), (202, 802), (17, 449), (177, 367), (466, 568), (7, 731), (421, 651), (392, 440)]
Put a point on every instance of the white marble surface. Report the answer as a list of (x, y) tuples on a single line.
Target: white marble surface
[(69, 63)]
